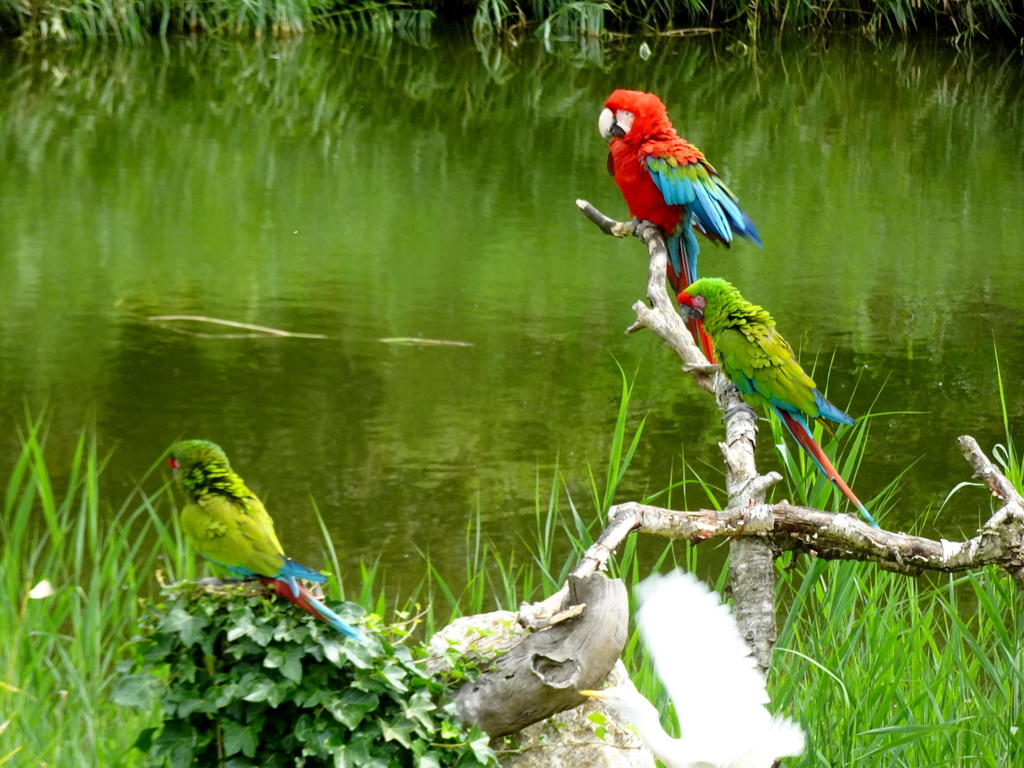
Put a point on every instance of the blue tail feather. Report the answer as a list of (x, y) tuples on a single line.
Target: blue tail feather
[(334, 619), (682, 254), (675, 250), (690, 250), (749, 230)]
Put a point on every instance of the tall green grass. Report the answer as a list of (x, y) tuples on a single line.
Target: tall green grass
[(138, 20), (882, 669), (549, 19), (58, 653)]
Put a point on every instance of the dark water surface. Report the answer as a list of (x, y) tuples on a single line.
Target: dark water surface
[(367, 191)]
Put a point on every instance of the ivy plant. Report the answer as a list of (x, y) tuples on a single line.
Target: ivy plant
[(242, 679)]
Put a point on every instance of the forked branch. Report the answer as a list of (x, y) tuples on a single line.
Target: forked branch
[(752, 557), (784, 526)]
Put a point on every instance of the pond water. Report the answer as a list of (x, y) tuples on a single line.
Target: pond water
[(370, 190)]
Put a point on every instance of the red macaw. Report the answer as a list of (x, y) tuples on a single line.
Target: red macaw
[(666, 181)]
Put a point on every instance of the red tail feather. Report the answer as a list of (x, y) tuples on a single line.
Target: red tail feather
[(283, 590), (806, 441)]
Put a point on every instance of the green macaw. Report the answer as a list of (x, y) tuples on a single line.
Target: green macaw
[(229, 526), (755, 357)]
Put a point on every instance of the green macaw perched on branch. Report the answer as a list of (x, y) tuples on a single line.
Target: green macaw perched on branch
[(755, 357), (229, 526)]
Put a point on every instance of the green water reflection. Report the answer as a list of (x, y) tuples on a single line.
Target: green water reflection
[(365, 191)]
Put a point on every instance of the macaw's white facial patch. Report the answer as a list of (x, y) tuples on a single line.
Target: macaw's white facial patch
[(605, 123), (624, 120)]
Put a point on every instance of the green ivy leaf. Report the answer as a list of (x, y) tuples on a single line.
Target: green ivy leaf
[(187, 706), (352, 706), (188, 627), (395, 676), (176, 744), (243, 626), (274, 658), (398, 730), (449, 731), (145, 740), (279, 691), (481, 748), (238, 738), (420, 707), (259, 690), (133, 691), (292, 666), (351, 755)]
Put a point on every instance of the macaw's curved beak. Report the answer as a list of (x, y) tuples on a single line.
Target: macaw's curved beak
[(687, 308), (690, 312), (614, 125)]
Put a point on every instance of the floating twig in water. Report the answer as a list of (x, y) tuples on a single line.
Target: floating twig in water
[(262, 330), (414, 341)]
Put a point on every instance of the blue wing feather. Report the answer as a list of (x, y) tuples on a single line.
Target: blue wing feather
[(715, 209), (710, 212), (674, 187)]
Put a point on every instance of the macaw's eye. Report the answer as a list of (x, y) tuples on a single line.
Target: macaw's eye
[(173, 463), (699, 301)]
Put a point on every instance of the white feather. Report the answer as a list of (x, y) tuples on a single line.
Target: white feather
[(706, 668)]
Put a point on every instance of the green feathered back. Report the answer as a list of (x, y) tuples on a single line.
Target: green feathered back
[(755, 356), (225, 521)]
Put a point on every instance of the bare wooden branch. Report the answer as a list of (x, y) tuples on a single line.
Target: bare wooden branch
[(415, 341), (1000, 540), (567, 741), (594, 560), (989, 473), (607, 225), (576, 636), (663, 318)]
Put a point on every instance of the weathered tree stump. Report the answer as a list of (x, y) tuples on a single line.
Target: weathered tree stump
[(567, 740), (532, 675)]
